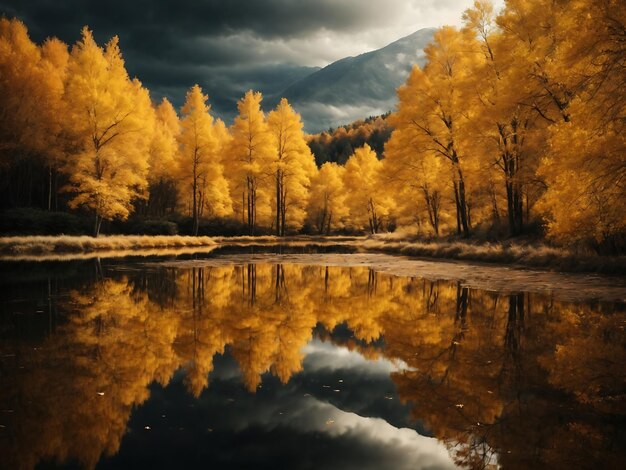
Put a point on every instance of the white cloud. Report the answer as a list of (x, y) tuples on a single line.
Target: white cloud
[(396, 19), (323, 355)]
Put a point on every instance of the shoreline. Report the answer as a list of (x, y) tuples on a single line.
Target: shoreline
[(65, 247)]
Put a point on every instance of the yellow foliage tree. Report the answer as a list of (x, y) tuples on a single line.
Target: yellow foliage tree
[(418, 181), (163, 159), (111, 122), (368, 203), (251, 153), (292, 167), (327, 208), (431, 111), (31, 107), (200, 159)]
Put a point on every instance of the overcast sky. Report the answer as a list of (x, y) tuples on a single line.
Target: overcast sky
[(230, 45)]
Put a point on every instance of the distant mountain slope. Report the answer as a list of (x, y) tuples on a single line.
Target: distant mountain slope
[(225, 90), (356, 87)]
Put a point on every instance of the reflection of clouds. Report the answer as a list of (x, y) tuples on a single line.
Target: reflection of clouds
[(369, 442), (401, 447), (321, 355), (351, 440)]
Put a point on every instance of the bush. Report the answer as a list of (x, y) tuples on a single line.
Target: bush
[(29, 221), (220, 227), (147, 227)]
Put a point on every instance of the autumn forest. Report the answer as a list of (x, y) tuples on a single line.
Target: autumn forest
[(514, 125)]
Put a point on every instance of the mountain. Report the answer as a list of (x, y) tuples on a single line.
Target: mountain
[(355, 87)]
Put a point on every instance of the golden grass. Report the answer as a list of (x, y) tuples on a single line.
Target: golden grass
[(536, 256), (39, 245)]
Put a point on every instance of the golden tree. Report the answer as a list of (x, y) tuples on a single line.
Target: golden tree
[(367, 201), (251, 153), (164, 159), (417, 181), (32, 110), (111, 123), (292, 167), (200, 159), (588, 145), (431, 112), (327, 209)]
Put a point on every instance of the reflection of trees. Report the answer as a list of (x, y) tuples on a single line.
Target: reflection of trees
[(494, 381), (72, 397), (515, 378)]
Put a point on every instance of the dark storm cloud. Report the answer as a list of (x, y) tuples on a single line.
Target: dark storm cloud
[(150, 24), (267, 18), (230, 46), (225, 46)]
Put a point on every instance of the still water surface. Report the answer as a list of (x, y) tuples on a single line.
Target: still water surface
[(223, 363)]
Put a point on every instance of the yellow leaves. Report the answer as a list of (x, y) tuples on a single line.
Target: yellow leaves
[(583, 169), (292, 167), (201, 141), (250, 154), (368, 203), (111, 120), (164, 146), (31, 92), (327, 208)]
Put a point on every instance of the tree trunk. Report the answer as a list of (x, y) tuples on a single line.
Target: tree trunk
[(463, 204), (283, 211), (457, 206), (195, 201), (278, 203), (49, 188), (98, 224)]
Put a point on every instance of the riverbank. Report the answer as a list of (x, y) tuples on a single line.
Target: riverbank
[(504, 253), (532, 255), (33, 246)]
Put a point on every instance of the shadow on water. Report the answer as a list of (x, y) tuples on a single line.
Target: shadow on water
[(110, 363)]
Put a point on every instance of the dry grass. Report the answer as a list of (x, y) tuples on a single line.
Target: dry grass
[(42, 245), (536, 255), (298, 240)]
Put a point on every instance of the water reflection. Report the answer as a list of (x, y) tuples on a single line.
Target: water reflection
[(517, 380)]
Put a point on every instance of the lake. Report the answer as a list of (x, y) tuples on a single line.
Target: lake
[(308, 360)]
